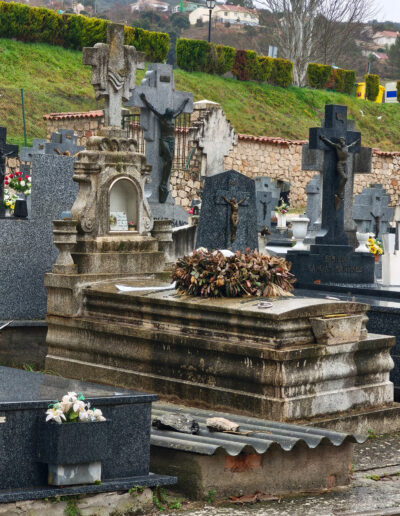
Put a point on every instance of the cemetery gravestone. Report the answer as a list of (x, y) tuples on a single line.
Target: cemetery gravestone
[(371, 211), (38, 147), (6, 151), (356, 163), (159, 105), (114, 72), (331, 259), (228, 217), (267, 196), (313, 212), (26, 246)]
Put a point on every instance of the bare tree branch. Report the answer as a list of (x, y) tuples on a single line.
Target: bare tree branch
[(315, 30)]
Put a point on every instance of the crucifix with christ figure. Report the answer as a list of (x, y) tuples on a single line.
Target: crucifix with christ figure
[(340, 157)]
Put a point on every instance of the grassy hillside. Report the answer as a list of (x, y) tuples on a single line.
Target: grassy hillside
[(54, 79)]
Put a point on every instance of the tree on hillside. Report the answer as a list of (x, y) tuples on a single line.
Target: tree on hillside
[(394, 57), (243, 3), (315, 30)]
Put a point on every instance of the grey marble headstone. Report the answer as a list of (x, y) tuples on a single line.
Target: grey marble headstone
[(26, 245), (267, 198), (371, 211), (63, 142), (38, 147), (314, 206), (158, 87), (215, 224)]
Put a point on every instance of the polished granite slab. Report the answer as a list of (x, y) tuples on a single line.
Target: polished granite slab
[(24, 398)]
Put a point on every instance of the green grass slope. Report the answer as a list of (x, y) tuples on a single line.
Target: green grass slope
[(54, 80)]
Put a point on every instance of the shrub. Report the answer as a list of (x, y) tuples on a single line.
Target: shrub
[(211, 274), (37, 24), (192, 55), (220, 59), (371, 86), (246, 65), (318, 75), (282, 72), (264, 69), (398, 90), (343, 80)]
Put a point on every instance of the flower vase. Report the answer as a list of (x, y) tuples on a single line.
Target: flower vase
[(362, 242), (281, 220), (7, 212), (299, 229), (74, 451)]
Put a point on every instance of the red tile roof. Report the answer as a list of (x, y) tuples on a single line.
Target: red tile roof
[(85, 114), (385, 34), (236, 8), (270, 139)]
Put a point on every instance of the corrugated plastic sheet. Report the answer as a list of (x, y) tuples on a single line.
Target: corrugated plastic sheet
[(263, 434)]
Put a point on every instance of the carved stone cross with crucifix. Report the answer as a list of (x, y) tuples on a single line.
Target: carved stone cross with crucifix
[(332, 259), (114, 72), (358, 162), (159, 105)]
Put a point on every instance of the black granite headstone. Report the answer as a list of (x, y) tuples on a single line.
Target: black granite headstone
[(331, 259), (228, 217), (6, 151)]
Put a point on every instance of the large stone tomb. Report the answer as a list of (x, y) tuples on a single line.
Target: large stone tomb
[(24, 399), (331, 259), (228, 217), (227, 354)]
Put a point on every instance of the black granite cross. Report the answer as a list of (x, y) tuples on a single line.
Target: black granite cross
[(6, 151), (335, 127)]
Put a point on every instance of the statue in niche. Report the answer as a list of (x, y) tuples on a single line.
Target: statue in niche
[(167, 142), (342, 153), (234, 204)]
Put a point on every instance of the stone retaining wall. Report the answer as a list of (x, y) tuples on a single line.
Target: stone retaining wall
[(253, 156)]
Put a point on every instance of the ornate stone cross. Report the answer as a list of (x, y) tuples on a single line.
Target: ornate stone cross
[(337, 193), (6, 151), (114, 71), (159, 104)]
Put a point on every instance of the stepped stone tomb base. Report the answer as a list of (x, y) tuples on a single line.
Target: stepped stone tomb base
[(295, 359)]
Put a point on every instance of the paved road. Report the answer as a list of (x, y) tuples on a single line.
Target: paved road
[(378, 457)]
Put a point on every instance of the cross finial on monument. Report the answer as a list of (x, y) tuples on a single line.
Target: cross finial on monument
[(334, 148), (114, 71), (6, 151)]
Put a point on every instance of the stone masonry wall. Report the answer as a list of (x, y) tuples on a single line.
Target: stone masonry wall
[(253, 156), (281, 159)]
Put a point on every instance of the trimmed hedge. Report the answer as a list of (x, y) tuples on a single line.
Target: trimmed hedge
[(318, 75), (199, 56), (195, 55), (344, 80), (282, 72), (41, 25), (371, 86), (398, 90), (246, 65)]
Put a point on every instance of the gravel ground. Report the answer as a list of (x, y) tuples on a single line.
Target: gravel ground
[(378, 496)]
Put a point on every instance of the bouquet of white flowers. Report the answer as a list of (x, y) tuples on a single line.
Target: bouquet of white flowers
[(72, 408)]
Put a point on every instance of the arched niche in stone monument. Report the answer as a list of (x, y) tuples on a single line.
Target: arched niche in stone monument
[(123, 205)]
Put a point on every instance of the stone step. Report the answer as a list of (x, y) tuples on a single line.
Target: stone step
[(119, 244)]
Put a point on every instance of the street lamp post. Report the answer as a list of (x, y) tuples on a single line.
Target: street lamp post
[(210, 5)]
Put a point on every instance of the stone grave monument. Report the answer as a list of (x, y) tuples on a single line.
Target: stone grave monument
[(114, 68), (356, 163), (24, 474), (228, 218), (371, 211), (62, 143), (267, 198), (6, 151), (159, 106), (331, 259), (314, 208)]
